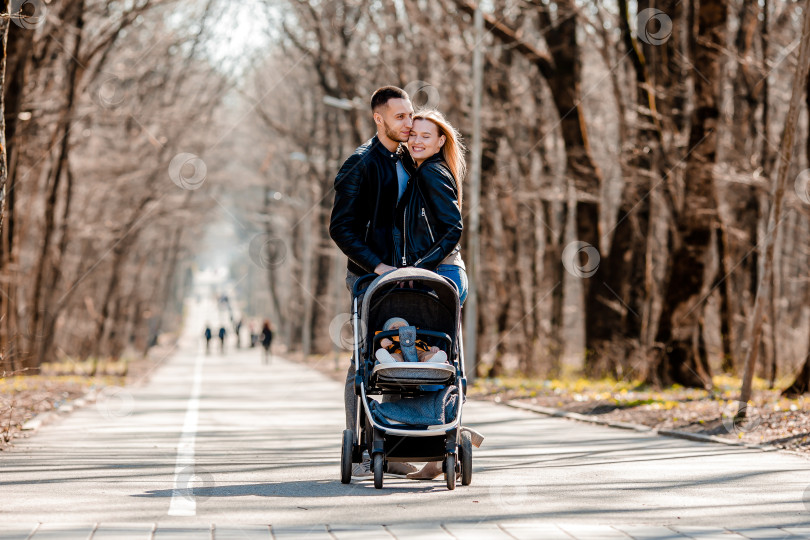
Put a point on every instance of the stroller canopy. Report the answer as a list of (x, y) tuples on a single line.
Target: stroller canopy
[(431, 305)]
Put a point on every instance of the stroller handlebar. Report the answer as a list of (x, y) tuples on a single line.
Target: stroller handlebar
[(356, 290)]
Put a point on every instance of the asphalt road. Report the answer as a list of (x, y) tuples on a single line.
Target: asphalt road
[(223, 446)]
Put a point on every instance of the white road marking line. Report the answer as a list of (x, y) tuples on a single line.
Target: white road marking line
[(183, 502)]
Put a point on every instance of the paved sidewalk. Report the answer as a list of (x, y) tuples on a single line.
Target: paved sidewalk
[(402, 531)]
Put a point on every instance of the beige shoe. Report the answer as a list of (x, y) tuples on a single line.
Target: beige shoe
[(431, 470), (399, 468)]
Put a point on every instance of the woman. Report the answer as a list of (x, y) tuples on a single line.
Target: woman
[(431, 219), (267, 340)]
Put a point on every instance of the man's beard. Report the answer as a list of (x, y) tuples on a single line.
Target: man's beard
[(393, 135)]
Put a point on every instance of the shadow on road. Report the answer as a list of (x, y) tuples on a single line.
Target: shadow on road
[(302, 488)]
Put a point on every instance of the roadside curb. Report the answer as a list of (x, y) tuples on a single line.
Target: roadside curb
[(698, 437), (41, 419)]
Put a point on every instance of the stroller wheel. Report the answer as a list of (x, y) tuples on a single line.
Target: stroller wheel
[(450, 471), (346, 456), (378, 467), (465, 457)]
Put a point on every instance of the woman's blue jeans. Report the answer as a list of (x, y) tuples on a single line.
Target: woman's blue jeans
[(458, 276)]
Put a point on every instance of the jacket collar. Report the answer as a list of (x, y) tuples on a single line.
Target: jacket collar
[(380, 147), (435, 157)]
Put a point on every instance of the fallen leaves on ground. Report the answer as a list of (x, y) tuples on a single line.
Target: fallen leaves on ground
[(770, 418), (22, 397)]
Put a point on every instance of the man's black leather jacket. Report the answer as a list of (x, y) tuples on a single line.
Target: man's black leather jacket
[(429, 215), (366, 190)]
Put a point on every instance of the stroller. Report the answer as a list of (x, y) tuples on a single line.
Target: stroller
[(432, 306)]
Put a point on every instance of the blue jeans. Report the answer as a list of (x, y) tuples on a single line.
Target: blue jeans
[(458, 276)]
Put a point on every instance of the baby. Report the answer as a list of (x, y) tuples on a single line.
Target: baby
[(390, 352)]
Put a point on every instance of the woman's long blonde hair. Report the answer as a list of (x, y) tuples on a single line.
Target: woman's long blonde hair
[(453, 147)]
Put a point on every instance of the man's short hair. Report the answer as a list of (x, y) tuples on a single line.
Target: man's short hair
[(381, 96)]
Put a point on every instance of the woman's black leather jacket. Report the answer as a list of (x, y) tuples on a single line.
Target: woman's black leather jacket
[(428, 216)]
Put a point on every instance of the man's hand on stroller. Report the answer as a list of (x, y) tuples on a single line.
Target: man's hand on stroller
[(382, 268)]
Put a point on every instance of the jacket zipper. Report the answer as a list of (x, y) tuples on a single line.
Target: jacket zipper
[(404, 241), (430, 231), (432, 251)]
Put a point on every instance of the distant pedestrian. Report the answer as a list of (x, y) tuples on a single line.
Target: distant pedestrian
[(222, 339), (254, 334), (236, 328), (208, 336), (267, 340)]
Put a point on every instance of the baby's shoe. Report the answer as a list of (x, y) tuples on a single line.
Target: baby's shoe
[(384, 357), (439, 358)]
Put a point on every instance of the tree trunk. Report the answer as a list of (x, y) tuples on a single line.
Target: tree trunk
[(682, 359), (564, 82), (807, 106), (723, 284), (168, 277), (615, 302), (778, 192), (18, 55), (764, 154), (5, 364), (40, 315)]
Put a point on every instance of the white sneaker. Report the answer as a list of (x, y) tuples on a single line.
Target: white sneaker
[(384, 357), (362, 470), (439, 358)]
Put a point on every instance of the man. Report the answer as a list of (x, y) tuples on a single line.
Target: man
[(367, 189), (222, 339), (208, 336)]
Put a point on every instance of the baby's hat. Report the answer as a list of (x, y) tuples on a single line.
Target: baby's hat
[(392, 321)]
